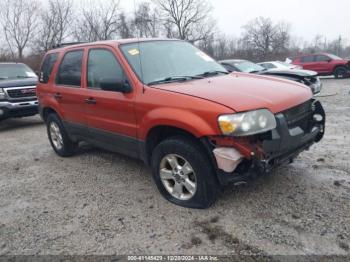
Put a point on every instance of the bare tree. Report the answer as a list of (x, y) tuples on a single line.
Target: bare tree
[(264, 38), (146, 21), (98, 21), (125, 26), (281, 39), (55, 24), (19, 22), (186, 19)]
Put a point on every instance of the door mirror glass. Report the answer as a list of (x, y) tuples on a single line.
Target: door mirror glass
[(115, 84)]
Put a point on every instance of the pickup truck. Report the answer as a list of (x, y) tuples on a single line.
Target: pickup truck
[(197, 126), (17, 91)]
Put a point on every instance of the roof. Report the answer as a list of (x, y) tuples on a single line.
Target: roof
[(319, 53), (233, 61), (112, 42)]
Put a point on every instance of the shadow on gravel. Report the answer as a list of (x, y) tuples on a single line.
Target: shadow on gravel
[(19, 123)]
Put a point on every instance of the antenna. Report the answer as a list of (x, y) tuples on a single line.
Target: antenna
[(140, 53)]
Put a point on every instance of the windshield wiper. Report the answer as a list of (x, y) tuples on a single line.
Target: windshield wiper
[(23, 77), (173, 79), (214, 72)]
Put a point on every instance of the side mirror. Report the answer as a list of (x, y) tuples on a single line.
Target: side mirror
[(114, 84), (329, 60), (228, 68)]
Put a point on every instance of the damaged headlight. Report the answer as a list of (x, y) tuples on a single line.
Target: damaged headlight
[(247, 123)]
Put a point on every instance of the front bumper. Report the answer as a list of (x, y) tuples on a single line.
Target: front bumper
[(18, 109), (280, 146)]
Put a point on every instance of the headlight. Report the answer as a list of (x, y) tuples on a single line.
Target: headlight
[(248, 123), (2, 94)]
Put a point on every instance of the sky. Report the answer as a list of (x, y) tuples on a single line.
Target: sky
[(307, 18)]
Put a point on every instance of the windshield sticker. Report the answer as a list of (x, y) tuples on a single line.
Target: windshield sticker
[(204, 56), (134, 51)]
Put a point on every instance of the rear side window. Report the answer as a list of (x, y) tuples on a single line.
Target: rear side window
[(69, 72), (307, 59), (103, 67)]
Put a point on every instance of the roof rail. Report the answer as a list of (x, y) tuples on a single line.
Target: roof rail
[(66, 44)]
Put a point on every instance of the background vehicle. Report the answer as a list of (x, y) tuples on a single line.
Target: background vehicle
[(324, 64), (278, 65), (17, 91), (196, 125), (306, 77)]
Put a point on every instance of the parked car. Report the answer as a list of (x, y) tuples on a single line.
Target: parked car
[(324, 64), (278, 65), (17, 91), (164, 101), (306, 77)]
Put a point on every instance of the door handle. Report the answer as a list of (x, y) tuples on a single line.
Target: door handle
[(90, 101), (57, 96)]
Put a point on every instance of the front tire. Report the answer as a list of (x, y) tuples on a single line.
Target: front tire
[(184, 174), (58, 137), (340, 72)]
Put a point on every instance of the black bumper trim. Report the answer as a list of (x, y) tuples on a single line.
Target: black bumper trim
[(18, 112)]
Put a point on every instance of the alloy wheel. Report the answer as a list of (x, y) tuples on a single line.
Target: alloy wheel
[(56, 136), (178, 177)]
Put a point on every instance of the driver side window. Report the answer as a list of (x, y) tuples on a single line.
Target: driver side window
[(103, 70)]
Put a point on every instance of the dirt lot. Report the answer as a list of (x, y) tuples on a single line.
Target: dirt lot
[(102, 203)]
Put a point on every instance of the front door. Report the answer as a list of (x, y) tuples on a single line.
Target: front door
[(322, 64), (110, 112)]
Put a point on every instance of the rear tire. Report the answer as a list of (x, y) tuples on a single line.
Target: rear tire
[(184, 174), (340, 72), (58, 137)]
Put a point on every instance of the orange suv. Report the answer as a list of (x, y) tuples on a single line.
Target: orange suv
[(164, 101)]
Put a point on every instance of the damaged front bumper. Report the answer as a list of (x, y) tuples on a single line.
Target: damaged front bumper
[(297, 129)]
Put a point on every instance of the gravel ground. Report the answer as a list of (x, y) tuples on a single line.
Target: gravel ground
[(101, 203)]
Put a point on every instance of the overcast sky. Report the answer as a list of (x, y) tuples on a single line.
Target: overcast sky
[(307, 17)]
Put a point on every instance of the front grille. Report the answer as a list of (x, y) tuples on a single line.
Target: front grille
[(21, 92), (299, 116)]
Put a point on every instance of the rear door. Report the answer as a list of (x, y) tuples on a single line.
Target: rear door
[(110, 113), (68, 91), (323, 64)]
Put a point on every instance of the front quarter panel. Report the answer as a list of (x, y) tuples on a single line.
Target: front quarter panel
[(164, 108)]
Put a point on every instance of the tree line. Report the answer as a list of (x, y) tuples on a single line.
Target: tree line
[(29, 28)]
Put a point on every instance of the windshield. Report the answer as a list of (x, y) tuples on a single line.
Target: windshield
[(12, 71), (248, 67), (334, 57), (156, 60)]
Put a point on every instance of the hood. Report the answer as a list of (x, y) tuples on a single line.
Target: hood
[(244, 92), (292, 72), (5, 83)]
